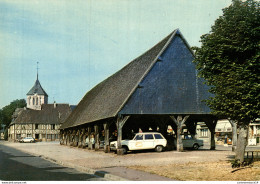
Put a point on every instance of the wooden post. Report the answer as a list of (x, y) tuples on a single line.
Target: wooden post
[(90, 146), (76, 139), (66, 137), (179, 122), (83, 137), (106, 131), (80, 139), (211, 124), (96, 129), (61, 137), (234, 134), (72, 137), (119, 124)]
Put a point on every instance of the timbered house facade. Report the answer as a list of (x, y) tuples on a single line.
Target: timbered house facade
[(38, 119)]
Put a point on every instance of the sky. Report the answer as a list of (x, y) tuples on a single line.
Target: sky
[(80, 43)]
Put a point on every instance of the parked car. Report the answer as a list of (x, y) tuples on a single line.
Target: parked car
[(27, 139), (189, 142), (141, 141)]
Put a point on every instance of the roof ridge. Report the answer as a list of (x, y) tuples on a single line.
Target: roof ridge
[(150, 67)]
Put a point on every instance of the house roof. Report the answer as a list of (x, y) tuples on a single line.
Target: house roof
[(107, 98), (37, 88), (47, 115)]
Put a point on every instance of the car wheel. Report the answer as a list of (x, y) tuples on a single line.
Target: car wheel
[(158, 148), (124, 150), (196, 146), (30, 141)]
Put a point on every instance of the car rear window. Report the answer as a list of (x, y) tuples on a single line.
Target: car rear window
[(148, 136), (139, 137), (158, 136)]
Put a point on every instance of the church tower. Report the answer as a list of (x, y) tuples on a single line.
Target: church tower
[(36, 96)]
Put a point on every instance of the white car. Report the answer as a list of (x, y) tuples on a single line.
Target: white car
[(145, 140), (27, 139)]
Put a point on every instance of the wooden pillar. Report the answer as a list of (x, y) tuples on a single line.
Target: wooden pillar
[(61, 137), (234, 134), (211, 124), (179, 122), (90, 146), (72, 137), (82, 138), (67, 137), (119, 124), (76, 138), (96, 129), (106, 131)]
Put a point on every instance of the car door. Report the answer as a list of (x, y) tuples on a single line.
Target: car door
[(148, 141), (138, 142)]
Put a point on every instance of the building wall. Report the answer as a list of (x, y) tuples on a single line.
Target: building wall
[(42, 132), (35, 101), (171, 86)]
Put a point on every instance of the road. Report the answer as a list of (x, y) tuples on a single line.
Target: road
[(19, 166)]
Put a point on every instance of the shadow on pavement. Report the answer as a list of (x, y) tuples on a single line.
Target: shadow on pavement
[(35, 169)]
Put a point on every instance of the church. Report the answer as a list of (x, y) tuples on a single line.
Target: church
[(38, 119)]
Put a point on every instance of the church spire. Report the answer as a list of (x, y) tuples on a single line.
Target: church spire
[(37, 69), (36, 96)]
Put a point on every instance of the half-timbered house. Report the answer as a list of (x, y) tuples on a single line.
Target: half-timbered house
[(38, 119)]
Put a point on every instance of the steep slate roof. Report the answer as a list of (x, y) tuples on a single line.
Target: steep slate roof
[(37, 88), (107, 98), (47, 115)]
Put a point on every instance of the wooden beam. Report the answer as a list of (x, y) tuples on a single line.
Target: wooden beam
[(96, 129), (179, 122), (90, 145), (106, 132), (121, 120)]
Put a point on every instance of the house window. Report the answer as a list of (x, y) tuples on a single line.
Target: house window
[(18, 136), (33, 101), (53, 127), (48, 136), (204, 132), (36, 126), (36, 101)]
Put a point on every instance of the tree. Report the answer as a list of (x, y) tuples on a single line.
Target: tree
[(229, 61), (7, 112)]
